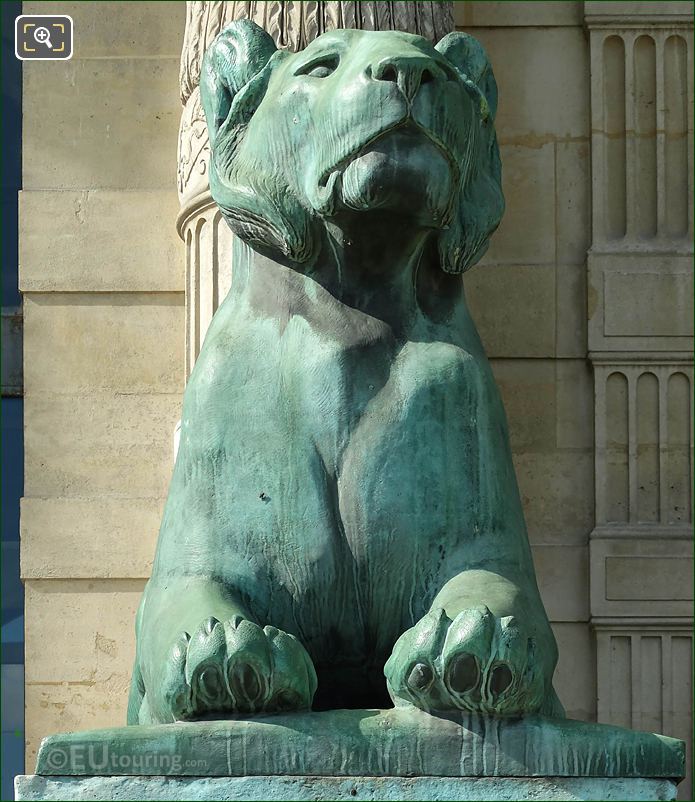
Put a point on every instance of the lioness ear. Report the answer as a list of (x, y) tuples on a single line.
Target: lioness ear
[(481, 203), (235, 74), (470, 59), (234, 59)]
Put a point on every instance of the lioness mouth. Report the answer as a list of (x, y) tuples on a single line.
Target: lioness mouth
[(408, 127)]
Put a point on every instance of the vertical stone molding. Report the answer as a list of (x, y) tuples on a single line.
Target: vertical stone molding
[(640, 313), (647, 681), (208, 243), (293, 25)]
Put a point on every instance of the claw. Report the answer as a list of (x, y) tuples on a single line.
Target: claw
[(245, 683), (420, 677), (234, 666), (180, 650), (466, 652), (463, 674), (284, 701), (175, 691), (207, 647), (294, 676), (500, 679), (210, 685), (209, 624)]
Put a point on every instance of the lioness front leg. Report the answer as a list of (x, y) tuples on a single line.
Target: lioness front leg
[(202, 654), (482, 647)]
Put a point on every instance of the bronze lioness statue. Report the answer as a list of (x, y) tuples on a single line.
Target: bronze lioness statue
[(344, 504)]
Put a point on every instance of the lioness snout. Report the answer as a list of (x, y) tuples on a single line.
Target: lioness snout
[(408, 72)]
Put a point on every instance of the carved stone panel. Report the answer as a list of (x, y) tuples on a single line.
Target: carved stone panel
[(645, 676), (644, 447), (640, 280)]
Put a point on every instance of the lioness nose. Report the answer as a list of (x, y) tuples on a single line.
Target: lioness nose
[(409, 73)]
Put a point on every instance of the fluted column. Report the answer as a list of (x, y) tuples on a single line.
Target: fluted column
[(293, 25)]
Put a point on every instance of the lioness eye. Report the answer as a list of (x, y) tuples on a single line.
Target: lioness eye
[(320, 69)]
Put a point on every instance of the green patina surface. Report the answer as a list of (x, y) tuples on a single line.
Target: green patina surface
[(398, 743), (344, 504)]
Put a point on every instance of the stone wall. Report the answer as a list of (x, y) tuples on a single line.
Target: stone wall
[(102, 270), (528, 298)]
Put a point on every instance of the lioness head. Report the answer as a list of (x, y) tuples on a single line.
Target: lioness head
[(355, 122)]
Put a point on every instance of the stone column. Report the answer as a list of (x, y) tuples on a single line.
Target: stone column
[(293, 25), (640, 341)]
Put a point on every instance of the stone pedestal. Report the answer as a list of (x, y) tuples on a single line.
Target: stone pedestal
[(251, 789), (358, 754)]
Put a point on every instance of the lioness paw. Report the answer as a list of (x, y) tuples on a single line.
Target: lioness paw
[(235, 667), (477, 662)]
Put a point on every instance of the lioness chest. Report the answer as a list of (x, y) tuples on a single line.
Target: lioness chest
[(275, 400), (332, 459), (308, 385)]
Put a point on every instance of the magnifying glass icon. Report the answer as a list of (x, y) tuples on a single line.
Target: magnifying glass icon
[(43, 36)]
